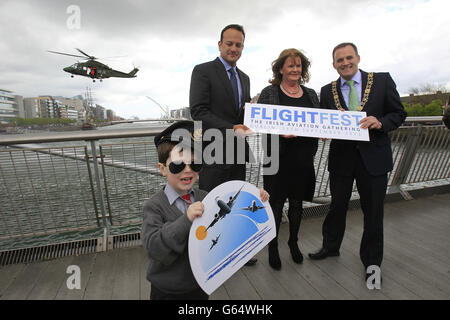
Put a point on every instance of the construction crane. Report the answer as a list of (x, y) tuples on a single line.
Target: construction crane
[(88, 104), (166, 113)]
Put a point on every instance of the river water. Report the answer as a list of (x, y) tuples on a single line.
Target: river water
[(42, 195)]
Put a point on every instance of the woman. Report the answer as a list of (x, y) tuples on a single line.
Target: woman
[(295, 179)]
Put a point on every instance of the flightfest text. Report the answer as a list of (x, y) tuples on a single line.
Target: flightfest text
[(309, 122)]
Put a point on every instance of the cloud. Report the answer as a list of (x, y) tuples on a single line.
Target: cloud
[(166, 39)]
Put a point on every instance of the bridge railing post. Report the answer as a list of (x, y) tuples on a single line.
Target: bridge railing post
[(99, 191), (410, 150)]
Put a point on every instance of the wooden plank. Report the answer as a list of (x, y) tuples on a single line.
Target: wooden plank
[(353, 282), (413, 262), (239, 287), (390, 288), (127, 274), (8, 274), (421, 223), (414, 210), (413, 267), (419, 245), (435, 206), (85, 262), (101, 282), (51, 279), (266, 285), (24, 282), (290, 276), (350, 275), (325, 285), (410, 231), (407, 275), (144, 283), (417, 241), (220, 294)]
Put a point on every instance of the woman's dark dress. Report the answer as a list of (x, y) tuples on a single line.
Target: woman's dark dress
[(295, 179)]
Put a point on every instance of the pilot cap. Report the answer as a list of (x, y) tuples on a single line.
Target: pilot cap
[(180, 131)]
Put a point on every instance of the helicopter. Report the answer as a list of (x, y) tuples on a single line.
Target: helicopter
[(94, 69)]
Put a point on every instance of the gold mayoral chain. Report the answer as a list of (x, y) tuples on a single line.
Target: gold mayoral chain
[(364, 99)]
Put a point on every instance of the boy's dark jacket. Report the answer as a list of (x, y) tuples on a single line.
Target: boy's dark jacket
[(165, 234)]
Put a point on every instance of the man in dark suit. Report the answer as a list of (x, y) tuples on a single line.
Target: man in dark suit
[(217, 95), (215, 102), (367, 162)]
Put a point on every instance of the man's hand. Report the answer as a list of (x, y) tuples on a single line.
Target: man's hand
[(242, 130), (370, 122), (195, 210)]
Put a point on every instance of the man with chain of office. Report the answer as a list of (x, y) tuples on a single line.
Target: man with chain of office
[(367, 162)]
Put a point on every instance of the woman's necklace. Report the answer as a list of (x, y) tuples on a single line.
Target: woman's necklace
[(291, 92)]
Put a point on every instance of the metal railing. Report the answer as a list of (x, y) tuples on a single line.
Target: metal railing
[(96, 190)]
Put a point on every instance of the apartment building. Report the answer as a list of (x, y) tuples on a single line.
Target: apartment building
[(11, 106)]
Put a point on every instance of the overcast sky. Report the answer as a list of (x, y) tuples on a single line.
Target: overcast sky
[(167, 38)]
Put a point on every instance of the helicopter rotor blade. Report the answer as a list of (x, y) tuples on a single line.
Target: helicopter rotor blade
[(90, 57), (66, 54), (114, 57)]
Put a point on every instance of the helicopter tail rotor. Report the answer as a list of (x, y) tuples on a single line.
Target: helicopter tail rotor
[(133, 72)]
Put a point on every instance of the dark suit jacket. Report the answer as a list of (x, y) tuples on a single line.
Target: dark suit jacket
[(384, 104), (211, 96)]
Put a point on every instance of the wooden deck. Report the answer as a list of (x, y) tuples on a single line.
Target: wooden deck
[(416, 265)]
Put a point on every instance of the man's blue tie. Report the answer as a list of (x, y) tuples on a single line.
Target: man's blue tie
[(234, 85)]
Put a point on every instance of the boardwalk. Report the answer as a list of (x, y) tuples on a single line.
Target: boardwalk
[(416, 265)]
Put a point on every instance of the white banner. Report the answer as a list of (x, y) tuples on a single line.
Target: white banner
[(307, 122)]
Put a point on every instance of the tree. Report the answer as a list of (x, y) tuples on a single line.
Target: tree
[(417, 110), (428, 88), (434, 108)]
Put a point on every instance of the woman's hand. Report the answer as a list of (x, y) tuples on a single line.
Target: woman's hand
[(263, 195)]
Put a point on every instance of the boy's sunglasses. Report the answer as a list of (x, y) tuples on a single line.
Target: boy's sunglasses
[(178, 166)]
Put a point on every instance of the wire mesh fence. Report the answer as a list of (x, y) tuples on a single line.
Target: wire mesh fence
[(53, 190), (44, 191)]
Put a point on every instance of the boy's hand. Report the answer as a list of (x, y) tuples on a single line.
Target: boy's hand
[(263, 195), (195, 210)]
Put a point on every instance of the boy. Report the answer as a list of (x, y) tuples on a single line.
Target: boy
[(168, 217)]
